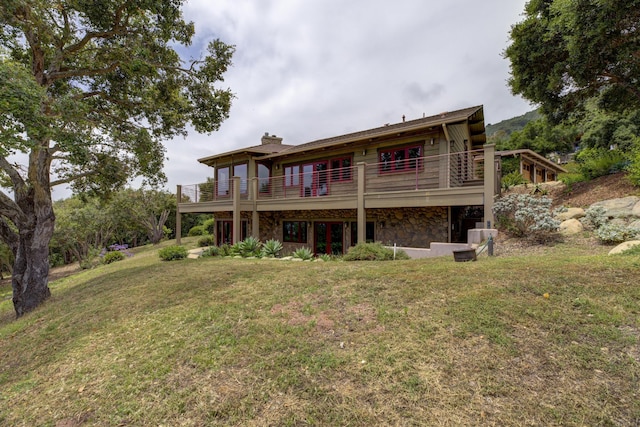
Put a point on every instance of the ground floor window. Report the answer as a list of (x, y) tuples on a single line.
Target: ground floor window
[(328, 238), (294, 231), (369, 233), (224, 232)]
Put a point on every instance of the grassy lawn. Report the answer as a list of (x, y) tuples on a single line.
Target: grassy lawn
[(549, 339)]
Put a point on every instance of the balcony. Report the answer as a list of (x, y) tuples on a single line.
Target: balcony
[(444, 180)]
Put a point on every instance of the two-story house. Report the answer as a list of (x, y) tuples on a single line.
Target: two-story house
[(409, 183)]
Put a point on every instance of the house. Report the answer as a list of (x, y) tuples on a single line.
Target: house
[(533, 167), (411, 183)]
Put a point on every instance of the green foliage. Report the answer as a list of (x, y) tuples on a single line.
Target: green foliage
[(502, 130), (304, 254), (511, 179), (543, 138), (525, 215), (561, 50), (249, 247), (209, 226), (171, 253), (596, 162), (113, 256), (594, 217), (211, 251), (634, 166), (197, 230), (612, 233), (206, 240), (373, 252), (271, 248)]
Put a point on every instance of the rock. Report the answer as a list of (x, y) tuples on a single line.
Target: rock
[(571, 213), (636, 210), (624, 246), (570, 227), (619, 208)]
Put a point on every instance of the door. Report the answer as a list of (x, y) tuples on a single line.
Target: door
[(315, 179), (328, 238)]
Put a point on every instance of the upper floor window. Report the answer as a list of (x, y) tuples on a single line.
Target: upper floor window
[(400, 159), (292, 176), (341, 169)]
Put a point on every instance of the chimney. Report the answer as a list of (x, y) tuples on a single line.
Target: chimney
[(270, 139)]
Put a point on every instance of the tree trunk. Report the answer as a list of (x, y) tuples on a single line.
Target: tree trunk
[(30, 278)]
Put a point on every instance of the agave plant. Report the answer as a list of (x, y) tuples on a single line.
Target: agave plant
[(303, 253), (271, 248), (249, 247)]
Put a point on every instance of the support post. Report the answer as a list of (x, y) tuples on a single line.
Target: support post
[(362, 214), (255, 218), (489, 183), (235, 191), (178, 215)]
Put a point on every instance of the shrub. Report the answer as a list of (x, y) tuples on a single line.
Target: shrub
[(271, 248), (373, 252), (525, 215), (612, 233), (211, 251), (209, 226), (206, 240), (594, 217), (171, 253), (599, 162), (113, 256), (511, 179), (197, 230), (303, 253), (249, 247)]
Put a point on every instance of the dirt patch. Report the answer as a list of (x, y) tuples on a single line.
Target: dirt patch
[(582, 194)]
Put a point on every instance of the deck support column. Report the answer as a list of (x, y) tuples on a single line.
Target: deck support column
[(489, 183), (362, 215), (235, 189), (255, 218), (178, 215)]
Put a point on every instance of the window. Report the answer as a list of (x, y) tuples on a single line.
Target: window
[(264, 184), (400, 159), (292, 176), (294, 231), (222, 184), (369, 232), (341, 169), (224, 231), (241, 171)]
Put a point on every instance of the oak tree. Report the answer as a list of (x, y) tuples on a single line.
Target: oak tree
[(566, 52), (88, 92)]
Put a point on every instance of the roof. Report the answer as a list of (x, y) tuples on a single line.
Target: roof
[(270, 151), (533, 156), (256, 149), (386, 130)]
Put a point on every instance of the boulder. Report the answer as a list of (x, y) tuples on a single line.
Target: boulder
[(570, 227), (624, 246), (619, 208), (571, 213), (636, 210)]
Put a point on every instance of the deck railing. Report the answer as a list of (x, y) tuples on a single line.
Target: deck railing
[(423, 173)]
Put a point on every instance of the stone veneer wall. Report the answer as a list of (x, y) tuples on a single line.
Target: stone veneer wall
[(411, 227)]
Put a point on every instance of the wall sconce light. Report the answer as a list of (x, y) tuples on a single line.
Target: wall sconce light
[(432, 141), (382, 224), (364, 152), (277, 166)]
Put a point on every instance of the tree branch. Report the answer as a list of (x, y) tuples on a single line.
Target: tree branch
[(14, 175)]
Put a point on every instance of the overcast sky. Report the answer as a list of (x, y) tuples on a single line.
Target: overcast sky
[(312, 69)]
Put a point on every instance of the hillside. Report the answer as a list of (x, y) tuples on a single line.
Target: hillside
[(506, 127), (545, 340)]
